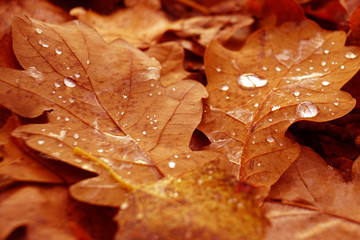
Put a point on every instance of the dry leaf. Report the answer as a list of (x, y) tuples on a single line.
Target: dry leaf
[(202, 204), (16, 166), (280, 76), (290, 222), (42, 210), (93, 97), (310, 182), (140, 25)]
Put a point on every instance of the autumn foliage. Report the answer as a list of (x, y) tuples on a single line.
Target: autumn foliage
[(183, 119)]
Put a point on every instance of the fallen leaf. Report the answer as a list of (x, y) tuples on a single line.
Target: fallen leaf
[(299, 186), (114, 108), (127, 24), (16, 166), (280, 76), (291, 222), (42, 210), (202, 204)]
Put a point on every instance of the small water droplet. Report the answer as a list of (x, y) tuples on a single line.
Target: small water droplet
[(150, 94), (172, 164), (57, 85), (265, 68), (275, 107), (297, 69), (67, 68), (342, 67), (307, 109), (144, 133), (278, 69), (38, 31), (77, 75), (58, 50), (350, 55), (251, 81), (336, 103), (125, 96), (218, 69), (100, 150), (188, 156), (71, 100), (43, 129), (76, 136), (323, 63), (326, 51), (69, 82), (88, 62), (270, 119), (124, 206), (43, 44), (67, 119), (225, 88), (259, 164), (176, 156), (270, 139), (34, 73), (200, 181), (311, 68), (325, 83), (256, 104), (40, 142), (174, 89), (296, 93), (227, 97)]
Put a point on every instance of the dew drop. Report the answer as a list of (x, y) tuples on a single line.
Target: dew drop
[(265, 68), (256, 105), (67, 119), (172, 164), (176, 156), (325, 83), (88, 62), (43, 44), (350, 55), (218, 69), (40, 142), (296, 93), (124, 205), (336, 103), (57, 85), (307, 109), (144, 133), (251, 81), (326, 51), (225, 88), (278, 69), (342, 67), (270, 139), (100, 150), (71, 100), (34, 73), (76, 136), (38, 31), (58, 50), (69, 82), (174, 89), (270, 119), (311, 68), (77, 75), (323, 63), (125, 96), (275, 107)]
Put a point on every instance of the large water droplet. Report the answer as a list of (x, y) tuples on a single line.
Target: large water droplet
[(58, 50), (251, 81), (43, 44), (69, 82), (307, 109), (350, 55), (34, 73)]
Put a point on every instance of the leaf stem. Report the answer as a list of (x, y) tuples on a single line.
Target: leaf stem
[(80, 152)]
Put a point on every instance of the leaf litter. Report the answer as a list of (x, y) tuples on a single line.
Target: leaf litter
[(128, 116)]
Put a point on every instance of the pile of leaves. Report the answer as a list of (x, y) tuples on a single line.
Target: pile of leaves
[(182, 119)]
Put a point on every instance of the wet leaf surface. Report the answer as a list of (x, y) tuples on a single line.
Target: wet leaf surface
[(258, 92)]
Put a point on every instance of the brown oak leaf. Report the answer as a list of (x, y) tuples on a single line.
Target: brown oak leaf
[(280, 76), (106, 99)]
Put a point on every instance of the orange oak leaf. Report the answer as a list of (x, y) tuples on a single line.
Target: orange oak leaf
[(205, 203), (16, 166), (292, 222), (106, 99), (42, 210), (280, 76), (311, 183)]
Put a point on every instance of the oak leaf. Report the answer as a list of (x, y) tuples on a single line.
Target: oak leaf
[(311, 183), (280, 76), (205, 203), (106, 99)]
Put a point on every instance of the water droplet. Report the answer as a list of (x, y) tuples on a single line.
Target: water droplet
[(67, 119), (58, 50), (350, 55), (311, 68), (297, 69), (265, 68), (296, 93), (43, 129), (172, 164), (144, 132), (57, 85), (71, 100), (256, 104), (278, 69), (275, 107), (173, 89), (251, 81), (124, 205), (307, 109), (323, 63), (270, 139), (43, 44), (67, 68), (336, 103), (88, 62), (38, 31), (259, 164), (77, 75), (227, 97), (40, 142), (342, 67), (100, 150), (76, 136), (200, 181), (270, 119), (125, 96), (326, 51), (176, 156), (150, 94), (325, 83), (218, 69), (188, 156), (60, 97), (225, 88), (69, 82), (34, 73)]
